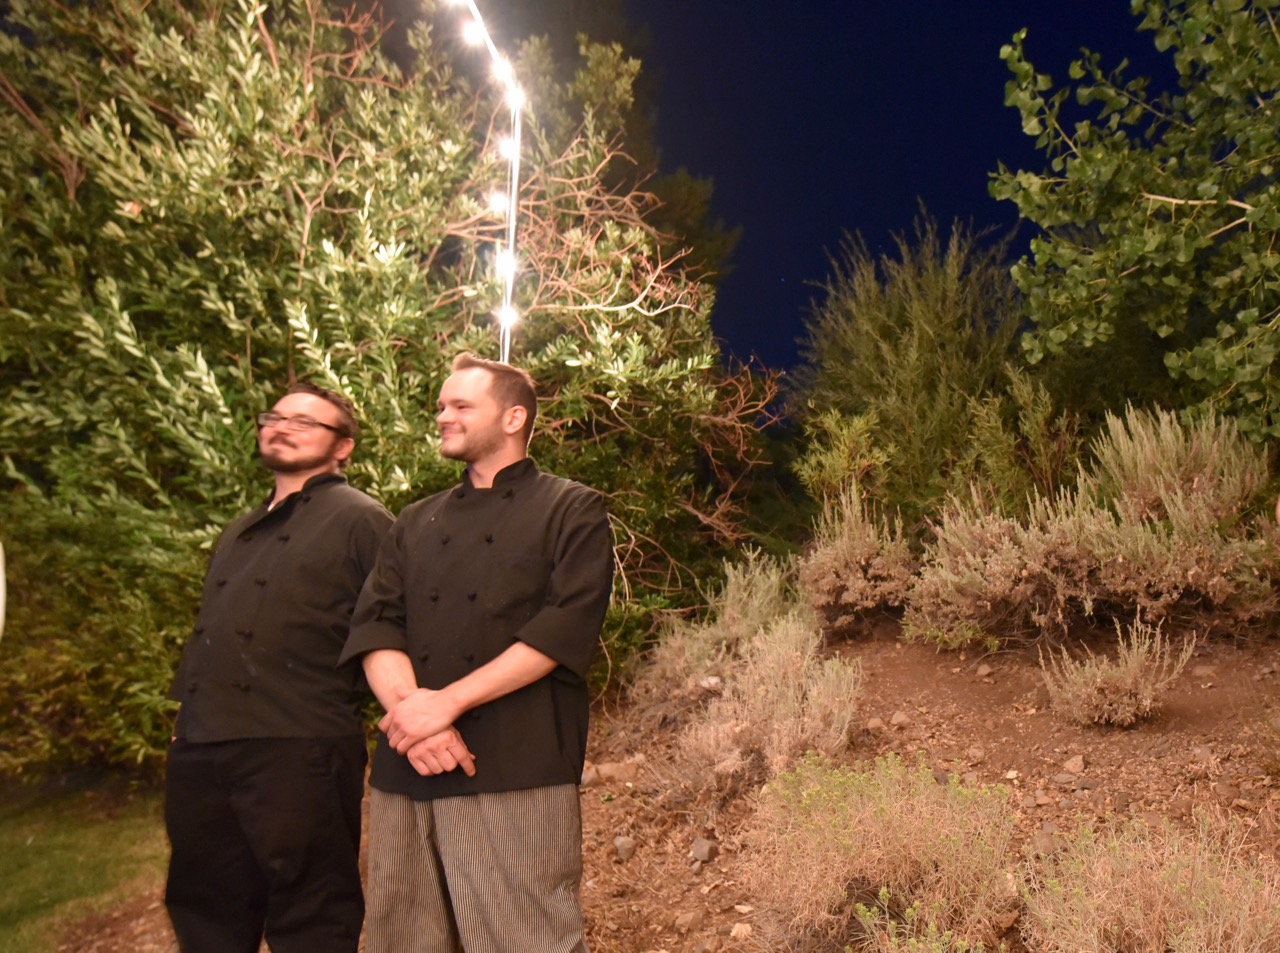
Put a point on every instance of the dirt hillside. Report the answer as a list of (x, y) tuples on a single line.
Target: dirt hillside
[(663, 879)]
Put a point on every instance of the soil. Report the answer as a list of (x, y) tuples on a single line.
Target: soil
[(1215, 744)]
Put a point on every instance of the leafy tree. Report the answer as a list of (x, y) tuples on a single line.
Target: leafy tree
[(1158, 214), (892, 358), (202, 202)]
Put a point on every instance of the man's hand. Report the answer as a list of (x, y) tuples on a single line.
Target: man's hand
[(419, 715), (442, 753)]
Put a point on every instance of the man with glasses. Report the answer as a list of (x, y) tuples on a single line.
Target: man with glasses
[(266, 769)]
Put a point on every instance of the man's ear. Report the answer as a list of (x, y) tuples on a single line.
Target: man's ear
[(514, 419), (343, 449)]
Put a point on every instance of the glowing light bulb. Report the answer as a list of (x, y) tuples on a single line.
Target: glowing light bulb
[(498, 202), (473, 32), (502, 71), (505, 264), (515, 98), (507, 148), (507, 316)]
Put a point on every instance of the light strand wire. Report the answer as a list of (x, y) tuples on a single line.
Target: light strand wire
[(506, 260)]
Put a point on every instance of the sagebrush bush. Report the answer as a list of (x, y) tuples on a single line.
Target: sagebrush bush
[(688, 666), (1135, 886), (780, 700), (1097, 690), (989, 575), (1116, 545), (1148, 462), (859, 563), (888, 837)]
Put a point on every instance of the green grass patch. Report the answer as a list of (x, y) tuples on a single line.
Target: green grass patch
[(66, 853)]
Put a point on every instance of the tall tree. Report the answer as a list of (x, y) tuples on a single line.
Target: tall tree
[(201, 202), (1158, 214)]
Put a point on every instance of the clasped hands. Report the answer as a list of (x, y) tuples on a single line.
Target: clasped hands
[(420, 726)]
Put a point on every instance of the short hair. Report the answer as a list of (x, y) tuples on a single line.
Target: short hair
[(347, 425), (511, 386)]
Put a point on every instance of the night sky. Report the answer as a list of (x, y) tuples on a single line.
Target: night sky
[(817, 117)]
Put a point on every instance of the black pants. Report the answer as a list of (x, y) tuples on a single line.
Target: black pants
[(266, 840)]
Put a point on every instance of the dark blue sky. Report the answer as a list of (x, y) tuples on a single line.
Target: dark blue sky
[(817, 117)]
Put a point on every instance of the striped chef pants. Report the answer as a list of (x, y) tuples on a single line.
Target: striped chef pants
[(484, 873)]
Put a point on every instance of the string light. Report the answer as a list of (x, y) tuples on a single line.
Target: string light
[(506, 262)]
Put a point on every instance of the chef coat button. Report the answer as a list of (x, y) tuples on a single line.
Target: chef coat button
[(470, 659), (444, 539), (244, 633), (435, 597), (471, 596), (489, 538), (260, 581)]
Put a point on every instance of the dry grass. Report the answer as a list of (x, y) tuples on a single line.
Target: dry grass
[(1122, 691), (859, 564), (1138, 887), (862, 858)]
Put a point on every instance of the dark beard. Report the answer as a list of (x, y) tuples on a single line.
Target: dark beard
[(271, 461)]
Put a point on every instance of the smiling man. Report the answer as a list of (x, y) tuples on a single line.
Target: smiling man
[(266, 769), (476, 629)]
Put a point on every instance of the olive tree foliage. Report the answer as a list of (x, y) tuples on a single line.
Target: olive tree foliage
[(200, 203), (896, 357), (1158, 212)]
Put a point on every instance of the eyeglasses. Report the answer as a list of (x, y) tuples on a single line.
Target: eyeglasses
[(298, 424)]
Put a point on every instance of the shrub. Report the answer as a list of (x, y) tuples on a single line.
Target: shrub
[(840, 450), (859, 564), (1120, 691), (689, 664), (1136, 537), (902, 341), (780, 700), (1020, 445), (887, 837), (1149, 461), (1133, 886), (989, 576)]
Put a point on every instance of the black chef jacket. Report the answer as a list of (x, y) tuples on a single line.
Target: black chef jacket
[(464, 575), (274, 614)]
